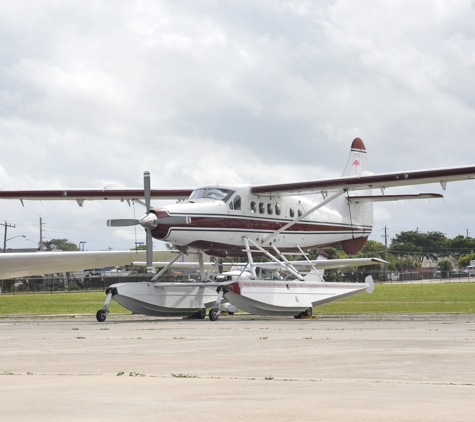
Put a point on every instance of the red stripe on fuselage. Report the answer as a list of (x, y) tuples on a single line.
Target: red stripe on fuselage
[(236, 223)]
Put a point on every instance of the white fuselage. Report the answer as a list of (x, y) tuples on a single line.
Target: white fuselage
[(218, 222)]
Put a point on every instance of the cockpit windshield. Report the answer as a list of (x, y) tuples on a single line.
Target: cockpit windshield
[(211, 193)]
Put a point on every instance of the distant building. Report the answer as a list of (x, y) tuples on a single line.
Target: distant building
[(434, 263)]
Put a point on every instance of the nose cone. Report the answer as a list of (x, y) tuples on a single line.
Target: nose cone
[(149, 221)]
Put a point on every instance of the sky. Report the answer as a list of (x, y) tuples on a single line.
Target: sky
[(197, 92)]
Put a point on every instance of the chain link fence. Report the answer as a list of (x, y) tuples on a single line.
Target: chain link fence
[(73, 283), (69, 282), (412, 275)]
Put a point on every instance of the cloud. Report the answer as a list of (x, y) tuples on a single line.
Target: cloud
[(201, 92)]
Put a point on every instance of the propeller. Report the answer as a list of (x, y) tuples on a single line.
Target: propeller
[(145, 224), (148, 222)]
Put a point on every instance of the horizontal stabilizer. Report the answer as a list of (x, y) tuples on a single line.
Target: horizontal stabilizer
[(381, 198)]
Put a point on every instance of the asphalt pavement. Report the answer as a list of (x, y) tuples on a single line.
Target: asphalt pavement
[(351, 368)]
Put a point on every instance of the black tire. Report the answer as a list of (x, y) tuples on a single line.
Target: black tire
[(213, 314), (308, 312), (201, 314), (298, 316), (101, 315), (230, 313)]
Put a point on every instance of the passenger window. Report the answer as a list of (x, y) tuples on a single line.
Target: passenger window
[(237, 202), (300, 212), (291, 212), (231, 205), (253, 207), (262, 208), (277, 209), (270, 209)]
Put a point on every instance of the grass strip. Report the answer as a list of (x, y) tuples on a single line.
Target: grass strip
[(57, 303), (408, 298), (392, 298)]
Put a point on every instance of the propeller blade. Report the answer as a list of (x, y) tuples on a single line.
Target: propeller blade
[(149, 240), (122, 222), (149, 252), (146, 189)]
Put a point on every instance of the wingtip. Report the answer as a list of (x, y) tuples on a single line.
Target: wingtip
[(358, 144)]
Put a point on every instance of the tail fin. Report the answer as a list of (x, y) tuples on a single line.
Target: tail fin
[(358, 159), (360, 214)]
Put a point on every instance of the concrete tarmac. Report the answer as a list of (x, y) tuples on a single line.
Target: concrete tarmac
[(366, 367)]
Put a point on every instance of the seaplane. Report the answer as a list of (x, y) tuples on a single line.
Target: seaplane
[(245, 221)]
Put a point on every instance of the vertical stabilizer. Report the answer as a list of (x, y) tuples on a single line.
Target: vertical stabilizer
[(358, 159), (359, 215)]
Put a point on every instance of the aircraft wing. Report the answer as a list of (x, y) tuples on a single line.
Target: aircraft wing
[(94, 194), (183, 265), (351, 183), (319, 263), (370, 181), (326, 263), (25, 264)]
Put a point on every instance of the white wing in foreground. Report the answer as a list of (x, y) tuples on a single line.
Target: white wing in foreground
[(14, 265)]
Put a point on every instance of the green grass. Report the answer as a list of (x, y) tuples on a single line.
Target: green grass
[(56, 303), (406, 298), (411, 298)]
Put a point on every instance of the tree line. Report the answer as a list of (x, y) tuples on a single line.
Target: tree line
[(407, 249)]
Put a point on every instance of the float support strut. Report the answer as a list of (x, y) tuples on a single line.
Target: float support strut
[(105, 307)]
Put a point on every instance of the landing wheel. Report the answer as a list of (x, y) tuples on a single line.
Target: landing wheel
[(213, 315), (201, 314), (231, 313), (308, 312), (101, 315), (298, 316)]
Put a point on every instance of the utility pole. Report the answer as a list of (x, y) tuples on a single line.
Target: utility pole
[(6, 225), (41, 234), (385, 252)]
